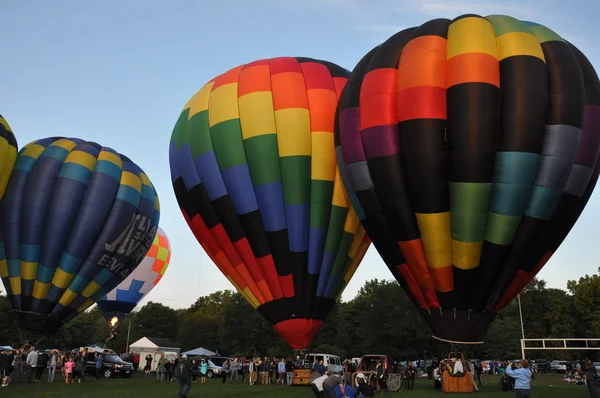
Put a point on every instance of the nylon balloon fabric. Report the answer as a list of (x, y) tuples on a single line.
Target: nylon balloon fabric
[(76, 220), (253, 168), (8, 154), (469, 148), (123, 299)]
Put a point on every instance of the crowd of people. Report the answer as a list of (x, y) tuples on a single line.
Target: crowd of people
[(27, 364)]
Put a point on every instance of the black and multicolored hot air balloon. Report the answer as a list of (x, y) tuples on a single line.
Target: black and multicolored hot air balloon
[(469, 149), (253, 168), (119, 302), (77, 218), (8, 155)]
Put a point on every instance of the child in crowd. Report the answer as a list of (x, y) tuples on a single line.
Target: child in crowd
[(69, 370)]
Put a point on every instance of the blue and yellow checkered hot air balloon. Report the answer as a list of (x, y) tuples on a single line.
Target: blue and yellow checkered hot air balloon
[(8, 154), (76, 220), (123, 299)]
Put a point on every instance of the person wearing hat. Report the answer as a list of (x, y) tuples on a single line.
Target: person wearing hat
[(363, 389), (183, 372)]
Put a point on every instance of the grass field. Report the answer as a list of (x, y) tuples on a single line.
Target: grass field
[(147, 387)]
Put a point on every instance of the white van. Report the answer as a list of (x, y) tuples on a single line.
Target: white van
[(332, 362)]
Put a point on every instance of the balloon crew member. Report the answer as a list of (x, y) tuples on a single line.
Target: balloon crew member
[(363, 389), (6, 366), (411, 373), (459, 369), (478, 373), (225, 370), (99, 364), (289, 371), (380, 372), (331, 382), (52, 362), (522, 375), (41, 365), (183, 373), (590, 376), (31, 363), (317, 385), (79, 369)]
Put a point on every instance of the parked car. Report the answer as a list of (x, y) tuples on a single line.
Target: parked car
[(558, 366), (215, 365), (111, 365)]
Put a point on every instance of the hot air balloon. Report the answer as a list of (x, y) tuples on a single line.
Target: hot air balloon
[(123, 299), (76, 220), (8, 154), (469, 148), (253, 168)]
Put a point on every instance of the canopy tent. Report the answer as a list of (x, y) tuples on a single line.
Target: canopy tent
[(154, 347), (200, 352)]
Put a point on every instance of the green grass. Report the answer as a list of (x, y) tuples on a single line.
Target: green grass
[(147, 387)]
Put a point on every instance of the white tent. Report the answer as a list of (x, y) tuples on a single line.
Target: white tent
[(200, 352), (154, 347)]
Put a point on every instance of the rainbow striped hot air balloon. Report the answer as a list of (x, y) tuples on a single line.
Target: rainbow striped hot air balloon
[(123, 299), (469, 148), (76, 220), (253, 168), (8, 156)]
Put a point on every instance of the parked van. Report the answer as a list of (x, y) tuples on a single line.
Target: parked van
[(332, 362)]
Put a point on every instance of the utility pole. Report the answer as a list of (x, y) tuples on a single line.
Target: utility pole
[(522, 328), (128, 333)]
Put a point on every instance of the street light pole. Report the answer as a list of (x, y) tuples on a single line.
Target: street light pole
[(128, 332), (522, 328)]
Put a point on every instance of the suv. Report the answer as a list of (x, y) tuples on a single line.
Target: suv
[(558, 366), (215, 365), (112, 364)]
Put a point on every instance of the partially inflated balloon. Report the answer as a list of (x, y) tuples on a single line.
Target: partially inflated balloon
[(76, 220), (8, 154), (123, 299), (469, 148), (254, 172)]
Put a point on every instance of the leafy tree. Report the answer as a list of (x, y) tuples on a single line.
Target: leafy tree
[(157, 320), (586, 295)]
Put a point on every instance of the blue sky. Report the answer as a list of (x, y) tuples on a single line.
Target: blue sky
[(119, 72)]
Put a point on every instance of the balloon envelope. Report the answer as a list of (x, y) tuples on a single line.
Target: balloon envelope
[(253, 168), (470, 148), (123, 299), (76, 220), (8, 154)]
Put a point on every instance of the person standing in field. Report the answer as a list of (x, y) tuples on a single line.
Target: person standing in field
[(69, 365), (183, 373), (522, 376)]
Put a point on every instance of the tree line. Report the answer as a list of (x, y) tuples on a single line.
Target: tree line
[(380, 319)]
